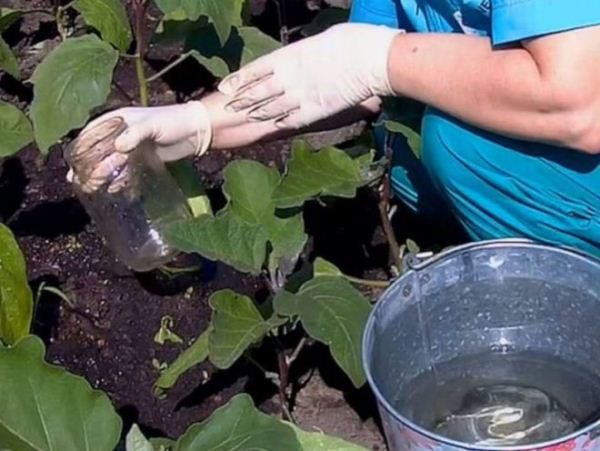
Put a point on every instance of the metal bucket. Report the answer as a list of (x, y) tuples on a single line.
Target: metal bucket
[(501, 298)]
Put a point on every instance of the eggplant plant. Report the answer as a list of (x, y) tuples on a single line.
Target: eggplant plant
[(74, 79)]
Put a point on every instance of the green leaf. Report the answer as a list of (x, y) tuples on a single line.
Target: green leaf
[(334, 313), (224, 14), (239, 425), (8, 16), (192, 356), (165, 333), (287, 239), (317, 441), (224, 237), (16, 298), (237, 324), (109, 18), (243, 46), (8, 61), (162, 444), (15, 130), (249, 186), (329, 171), (412, 137), (136, 441), (72, 80), (324, 268), (255, 44), (44, 408), (189, 182)]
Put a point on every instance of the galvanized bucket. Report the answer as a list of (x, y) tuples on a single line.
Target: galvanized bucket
[(500, 297)]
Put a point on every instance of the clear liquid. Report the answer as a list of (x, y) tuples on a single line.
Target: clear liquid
[(496, 399)]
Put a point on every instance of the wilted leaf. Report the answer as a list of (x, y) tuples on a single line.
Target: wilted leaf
[(8, 16), (189, 182), (16, 299), (15, 130), (224, 237), (224, 14), (334, 313), (136, 441), (8, 61), (412, 137), (249, 186), (72, 80), (329, 171), (237, 324), (109, 18), (44, 408), (165, 333), (192, 356)]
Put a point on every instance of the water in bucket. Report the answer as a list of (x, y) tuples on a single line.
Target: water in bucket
[(489, 347)]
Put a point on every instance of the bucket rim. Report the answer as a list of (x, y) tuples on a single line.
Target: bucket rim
[(415, 268)]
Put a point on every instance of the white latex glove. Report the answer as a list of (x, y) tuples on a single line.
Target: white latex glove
[(179, 131), (315, 77)]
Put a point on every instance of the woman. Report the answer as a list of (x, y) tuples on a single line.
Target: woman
[(511, 134)]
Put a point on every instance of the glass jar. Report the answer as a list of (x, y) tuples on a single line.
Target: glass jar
[(131, 219)]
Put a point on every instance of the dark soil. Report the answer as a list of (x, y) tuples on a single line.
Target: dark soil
[(107, 335)]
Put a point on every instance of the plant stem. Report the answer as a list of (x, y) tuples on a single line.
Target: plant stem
[(284, 370), (367, 282), (167, 68), (139, 8), (292, 358), (385, 195)]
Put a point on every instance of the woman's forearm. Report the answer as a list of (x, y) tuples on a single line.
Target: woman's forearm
[(543, 91), (232, 130)]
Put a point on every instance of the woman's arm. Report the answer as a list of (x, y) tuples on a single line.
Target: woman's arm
[(234, 129), (547, 89)]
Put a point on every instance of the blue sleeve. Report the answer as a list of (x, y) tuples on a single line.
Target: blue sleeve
[(514, 20), (377, 12)]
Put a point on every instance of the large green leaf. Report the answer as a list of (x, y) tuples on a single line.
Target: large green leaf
[(334, 313), (329, 171), (237, 324), (192, 356), (15, 129), (239, 425), (412, 137), (109, 18), (224, 14), (16, 300), (44, 408), (8, 61), (224, 237), (255, 44), (249, 186), (72, 80)]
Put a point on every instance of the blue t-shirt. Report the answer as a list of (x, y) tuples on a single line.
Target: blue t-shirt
[(505, 21)]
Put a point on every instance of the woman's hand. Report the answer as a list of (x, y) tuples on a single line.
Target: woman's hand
[(314, 78), (178, 131)]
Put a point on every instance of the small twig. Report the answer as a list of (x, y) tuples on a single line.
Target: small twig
[(294, 355), (385, 194), (283, 383), (123, 92), (284, 34), (167, 68), (139, 8), (367, 282)]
